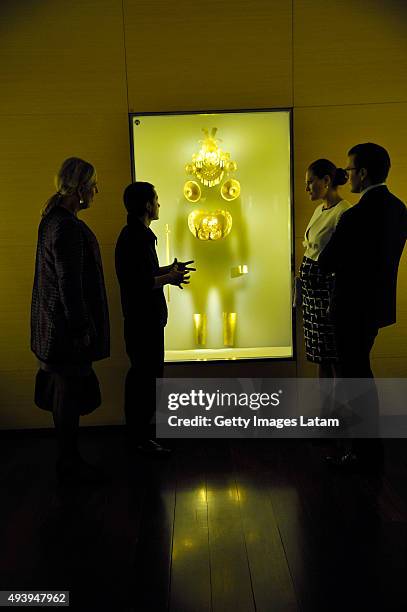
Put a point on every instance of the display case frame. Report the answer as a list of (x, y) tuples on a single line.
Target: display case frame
[(289, 111)]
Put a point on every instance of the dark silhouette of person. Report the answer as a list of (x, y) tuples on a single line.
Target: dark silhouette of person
[(69, 314), (322, 183), (364, 254), (144, 309)]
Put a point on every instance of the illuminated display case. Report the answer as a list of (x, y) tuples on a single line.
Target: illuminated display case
[(224, 185)]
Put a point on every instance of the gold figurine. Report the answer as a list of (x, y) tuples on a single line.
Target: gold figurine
[(209, 167)]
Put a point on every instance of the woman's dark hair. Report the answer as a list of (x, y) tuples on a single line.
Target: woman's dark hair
[(136, 196), (324, 167), (74, 173), (374, 158)]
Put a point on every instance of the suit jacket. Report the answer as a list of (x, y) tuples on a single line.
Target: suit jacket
[(364, 253), (69, 297)]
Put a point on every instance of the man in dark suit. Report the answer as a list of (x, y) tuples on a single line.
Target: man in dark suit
[(144, 309), (364, 254)]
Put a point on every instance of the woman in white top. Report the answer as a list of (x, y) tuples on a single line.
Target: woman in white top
[(322, 181)]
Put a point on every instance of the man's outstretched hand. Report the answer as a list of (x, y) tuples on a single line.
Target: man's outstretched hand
[(179, 273), (183, 266)]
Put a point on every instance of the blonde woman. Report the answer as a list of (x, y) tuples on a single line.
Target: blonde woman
[(69, 314)]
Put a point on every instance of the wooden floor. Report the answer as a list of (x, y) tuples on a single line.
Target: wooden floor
[(222, 526)]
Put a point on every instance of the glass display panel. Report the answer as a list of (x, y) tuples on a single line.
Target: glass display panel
[(224, 185)]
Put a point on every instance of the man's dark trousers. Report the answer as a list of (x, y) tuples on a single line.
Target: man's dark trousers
[(355, 339), (145, 348)]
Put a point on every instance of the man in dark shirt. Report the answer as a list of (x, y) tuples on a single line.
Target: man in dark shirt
[(144, 309), (364, 254)]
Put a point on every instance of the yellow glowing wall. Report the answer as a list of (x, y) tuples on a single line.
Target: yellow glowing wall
[(71, 71), (260, 237)]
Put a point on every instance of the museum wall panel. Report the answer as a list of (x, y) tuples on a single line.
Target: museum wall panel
[(27, 181), (63, 93), (33, 146), (218, 55), (349, 52), (59, 56)]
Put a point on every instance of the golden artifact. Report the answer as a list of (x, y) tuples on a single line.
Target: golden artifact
[(239, 271), (211, 162), (192, 191), (230, 190), (229, 328), (208, 165), (210, 225), (200, 329)]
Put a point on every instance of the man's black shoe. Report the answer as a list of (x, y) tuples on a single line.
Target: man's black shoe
[(150, 447), (348, 461)]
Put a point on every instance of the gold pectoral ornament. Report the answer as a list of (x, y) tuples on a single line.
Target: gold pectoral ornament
[(210, 225)]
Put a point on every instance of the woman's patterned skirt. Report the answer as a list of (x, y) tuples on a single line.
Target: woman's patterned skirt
[(319, 331)]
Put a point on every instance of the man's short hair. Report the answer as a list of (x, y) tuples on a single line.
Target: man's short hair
[(374, 158), (136, 196)]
